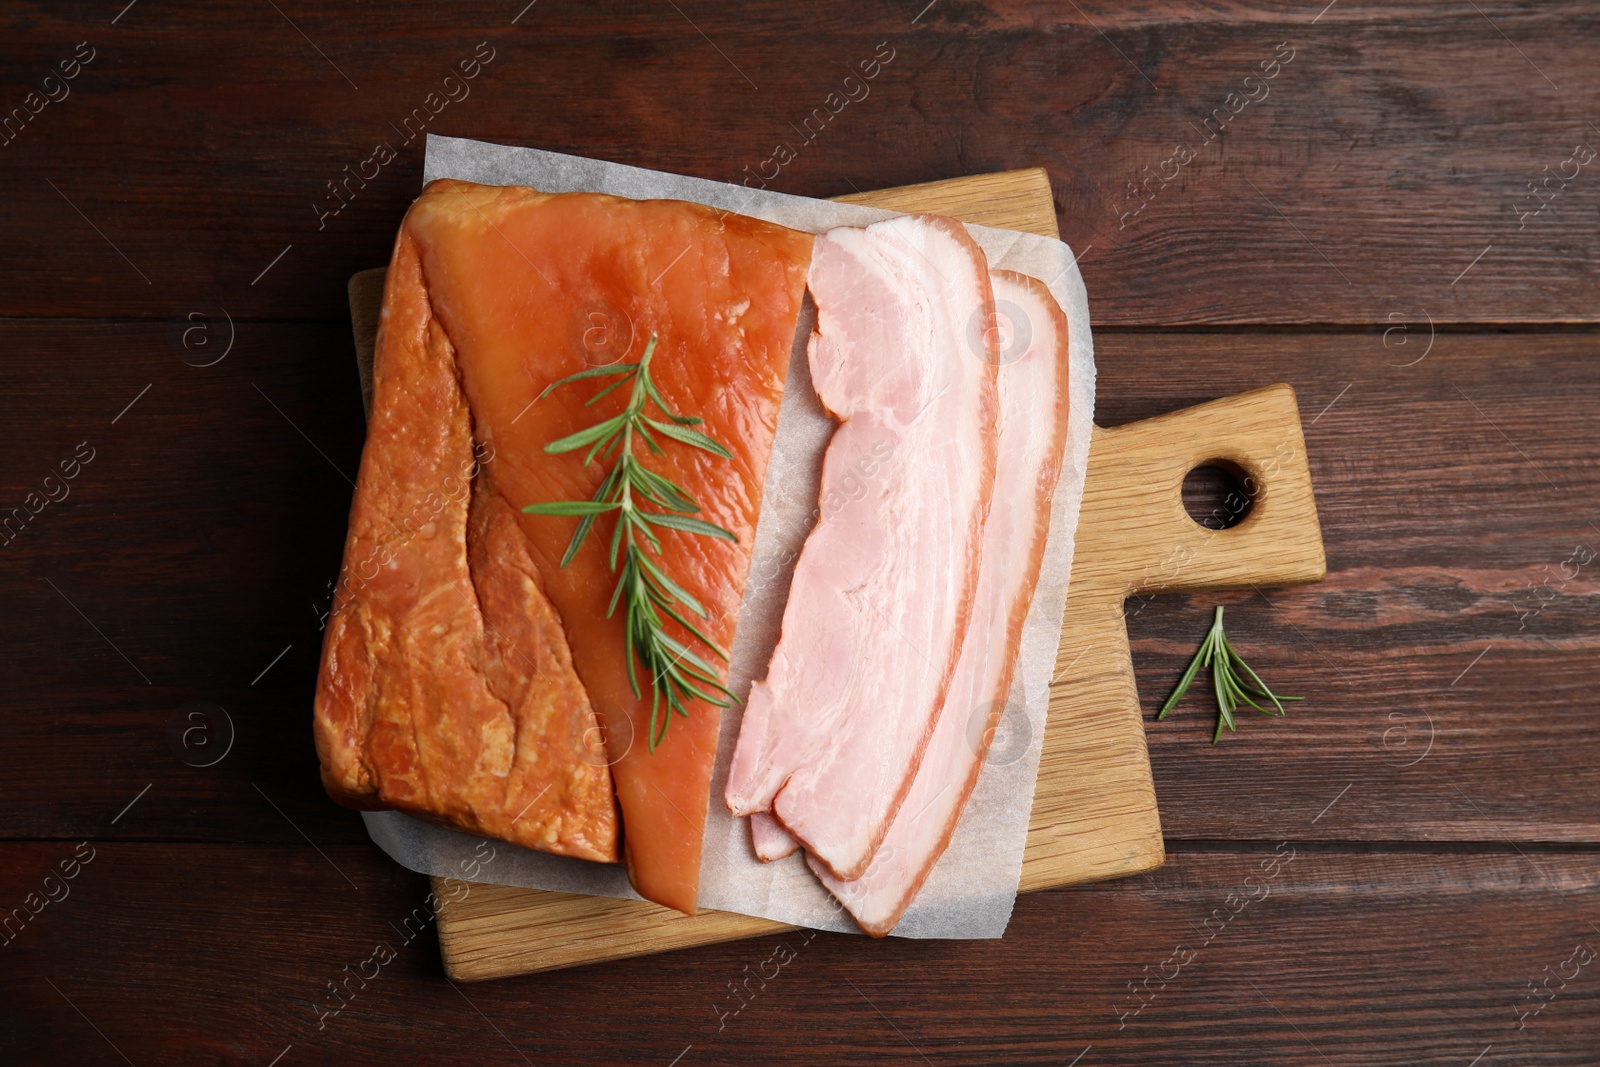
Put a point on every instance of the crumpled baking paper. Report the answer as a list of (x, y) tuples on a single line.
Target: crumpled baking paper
[(971, 891)]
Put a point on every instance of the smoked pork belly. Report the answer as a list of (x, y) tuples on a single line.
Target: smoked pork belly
[(447, 688), (475, 680), (1032, 439), (882, 590)]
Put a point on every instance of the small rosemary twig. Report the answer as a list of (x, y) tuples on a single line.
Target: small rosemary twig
[(1227, 670), (650, 596)]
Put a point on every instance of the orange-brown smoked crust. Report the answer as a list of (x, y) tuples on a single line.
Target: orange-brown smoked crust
[(447, 687), (491, 297)]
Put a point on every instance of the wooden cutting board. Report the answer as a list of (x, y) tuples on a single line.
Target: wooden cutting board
[(1094, 812)]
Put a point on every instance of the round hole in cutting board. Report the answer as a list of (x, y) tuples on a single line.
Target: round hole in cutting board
[(1215, 494)]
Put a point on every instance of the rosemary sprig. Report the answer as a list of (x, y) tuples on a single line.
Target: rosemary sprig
[(649, 594), (1227, 670)]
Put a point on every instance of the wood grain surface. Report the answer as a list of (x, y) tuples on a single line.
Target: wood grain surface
[(1357, 181), (1006, 200), (1353, 954), (1364, 233)]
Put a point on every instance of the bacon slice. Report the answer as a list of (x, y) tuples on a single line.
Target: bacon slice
[(1033, 433), (495, 294), (883, 588), (770, 840)]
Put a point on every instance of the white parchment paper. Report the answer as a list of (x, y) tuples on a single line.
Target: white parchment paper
[(971, 891)]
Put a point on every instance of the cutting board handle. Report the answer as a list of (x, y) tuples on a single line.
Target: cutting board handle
[(1145, 542), (1134, 538)]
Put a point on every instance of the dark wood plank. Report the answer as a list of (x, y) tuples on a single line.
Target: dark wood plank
[(195, 547), (201, 538), (1458, 502), (1439, 783), (1395, 147), (1289, 956)]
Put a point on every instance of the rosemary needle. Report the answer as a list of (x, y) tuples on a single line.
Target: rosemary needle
[(1228, 674), (649, 595)]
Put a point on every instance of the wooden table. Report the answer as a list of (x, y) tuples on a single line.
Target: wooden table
[(1366, 225)]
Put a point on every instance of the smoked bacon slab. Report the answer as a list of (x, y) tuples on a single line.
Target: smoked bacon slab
[(472, 679)]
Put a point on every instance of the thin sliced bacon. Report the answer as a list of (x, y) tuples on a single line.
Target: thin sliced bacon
[(1033, 430), (772, 842), (883, 588)]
